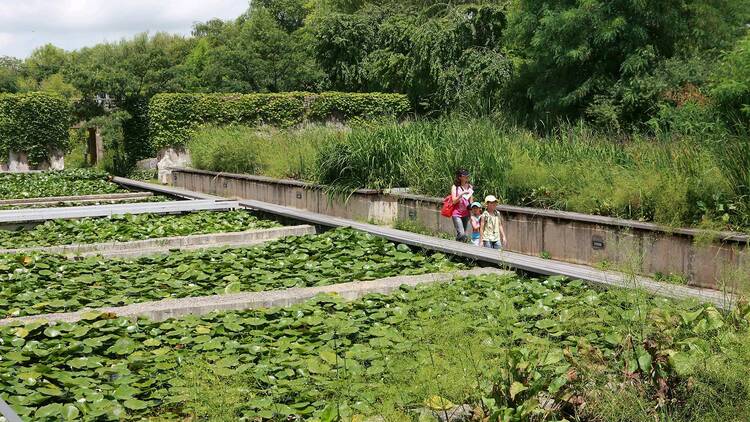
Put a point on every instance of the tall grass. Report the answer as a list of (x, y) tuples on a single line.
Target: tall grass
[(678, 181), (669, 179), (268, 151)]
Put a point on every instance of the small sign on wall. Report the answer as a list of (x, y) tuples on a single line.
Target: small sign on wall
[(597, 242)]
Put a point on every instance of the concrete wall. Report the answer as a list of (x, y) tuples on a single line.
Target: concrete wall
[(571, 237), (18, 162)]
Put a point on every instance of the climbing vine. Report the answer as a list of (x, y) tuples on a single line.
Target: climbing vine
[(33, 123)]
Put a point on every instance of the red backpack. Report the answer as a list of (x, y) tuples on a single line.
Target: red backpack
[(447, 210)]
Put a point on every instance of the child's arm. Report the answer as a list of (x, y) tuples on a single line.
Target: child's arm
[(481, 229), (502, 234)]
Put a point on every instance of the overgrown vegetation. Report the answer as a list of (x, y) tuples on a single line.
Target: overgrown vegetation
[(35, 124), (678, 180), (508, 348), (672, 181), (174, 117)]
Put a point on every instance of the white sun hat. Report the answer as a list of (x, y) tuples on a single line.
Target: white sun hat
[(490, 198)]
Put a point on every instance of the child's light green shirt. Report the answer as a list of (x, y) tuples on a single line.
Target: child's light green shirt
[(492, 223)]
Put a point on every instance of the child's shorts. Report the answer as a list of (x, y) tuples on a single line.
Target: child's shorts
[(492, 244), (476, 242)]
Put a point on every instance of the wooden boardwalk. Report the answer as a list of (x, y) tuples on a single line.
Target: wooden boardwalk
[(165, 190), (511, 260), (34, 215), (531, 264)]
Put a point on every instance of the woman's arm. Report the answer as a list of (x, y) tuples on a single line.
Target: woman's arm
[(454, 194)]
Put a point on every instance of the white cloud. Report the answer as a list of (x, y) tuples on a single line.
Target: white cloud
[(72, 24)]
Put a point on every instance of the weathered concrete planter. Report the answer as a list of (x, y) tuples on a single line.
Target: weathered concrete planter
[(18, 162), (168, 158), (718, 258), (57, 160)]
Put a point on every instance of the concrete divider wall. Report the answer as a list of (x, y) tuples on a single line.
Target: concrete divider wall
[(166, 244), (571, 237), (201, 305)]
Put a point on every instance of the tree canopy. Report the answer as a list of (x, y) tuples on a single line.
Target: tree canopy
[(615, 63)]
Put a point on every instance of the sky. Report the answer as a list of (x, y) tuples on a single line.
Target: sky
[(72, 24)]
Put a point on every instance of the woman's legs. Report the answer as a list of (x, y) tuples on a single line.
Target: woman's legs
[(460, 224)]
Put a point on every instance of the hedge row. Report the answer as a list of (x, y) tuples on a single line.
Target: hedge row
[(174, 117), (35, 123)]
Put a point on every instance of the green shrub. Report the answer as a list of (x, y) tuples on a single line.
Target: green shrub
[(347, 105), (116, 158), (34, 123), (175, 117), (135, 130)]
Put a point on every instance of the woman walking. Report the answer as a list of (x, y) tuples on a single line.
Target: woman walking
[(462, 194)]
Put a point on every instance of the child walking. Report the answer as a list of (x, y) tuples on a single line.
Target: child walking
[(491, 231), (475, 223)]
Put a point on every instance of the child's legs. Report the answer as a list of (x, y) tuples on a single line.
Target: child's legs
[(492, 244), (475, 241)]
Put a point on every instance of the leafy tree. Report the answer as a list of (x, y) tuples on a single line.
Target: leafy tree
[(54, 84), (342, 42), (251, 54), (141, 66), (46, 61), (10, 71), (591, 58), (444, 56), (731, 85), (288, 14)]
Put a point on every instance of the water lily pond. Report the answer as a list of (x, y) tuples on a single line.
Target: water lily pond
[(56, 183), (505, 348), (36, 283), (488, 348), (131, 227)]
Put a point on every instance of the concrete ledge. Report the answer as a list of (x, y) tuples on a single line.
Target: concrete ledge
[(174, 308), (52, 200), (527, 211), (166, 244), (273, 180)]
